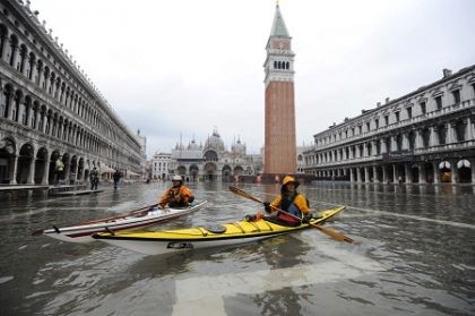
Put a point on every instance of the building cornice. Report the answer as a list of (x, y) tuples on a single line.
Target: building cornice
[(394, 102)]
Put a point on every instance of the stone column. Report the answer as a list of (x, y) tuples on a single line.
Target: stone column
[(352, 175), (454, 172), (408, 172), (31, 171), (384, 148), (385, 174), (76, 171), (434, 138), (14, 170), (39, 80), (83, 172), (365, 150), (422, 173), (6, 47), (395, 174), (358, 174), (375, 174), (469, 134), (450, 133), (67, 170), (30, 115), (472, 167), (419, 141), (38, 115), (45, 180), (32, 65), (366, 175), (393, 144), (405, 141), (48, 82), (435, 166)]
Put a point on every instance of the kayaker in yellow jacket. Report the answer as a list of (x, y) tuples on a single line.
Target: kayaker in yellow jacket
[(176, 196), (289, 201)]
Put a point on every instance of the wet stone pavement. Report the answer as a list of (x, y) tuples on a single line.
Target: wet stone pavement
[(416, 257)]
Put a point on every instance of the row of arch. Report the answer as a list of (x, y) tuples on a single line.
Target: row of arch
[(456, 131), (384, 119), (210, 171), (30, 164), (444, 171), (281, 65), (43, 74), (25, 110)]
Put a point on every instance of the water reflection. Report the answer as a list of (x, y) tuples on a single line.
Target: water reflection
[(415, 231)]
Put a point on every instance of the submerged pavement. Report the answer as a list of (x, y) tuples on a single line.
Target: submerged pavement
[(416, 256)]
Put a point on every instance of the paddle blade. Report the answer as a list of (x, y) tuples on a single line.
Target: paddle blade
[(37, 232), (333, 233)]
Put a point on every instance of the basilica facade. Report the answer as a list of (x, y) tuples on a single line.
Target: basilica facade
[(51, 114), (208, 161)]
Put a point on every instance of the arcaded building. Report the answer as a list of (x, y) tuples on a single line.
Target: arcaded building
[(427, 135), (280, 143), (50, 110), (212, 161)]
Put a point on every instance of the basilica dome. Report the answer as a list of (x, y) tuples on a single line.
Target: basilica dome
[(239, 148), (215, 142)]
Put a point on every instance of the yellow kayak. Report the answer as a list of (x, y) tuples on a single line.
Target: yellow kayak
[(165, 241)]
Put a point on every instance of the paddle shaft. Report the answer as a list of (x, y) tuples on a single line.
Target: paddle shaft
[(140, 210)]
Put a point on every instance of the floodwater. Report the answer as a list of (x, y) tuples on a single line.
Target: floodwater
[(416, 256)]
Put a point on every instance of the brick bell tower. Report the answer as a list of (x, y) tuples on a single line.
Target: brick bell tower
[(280, 147)]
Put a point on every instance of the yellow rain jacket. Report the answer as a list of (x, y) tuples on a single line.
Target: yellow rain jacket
[(300, 201)]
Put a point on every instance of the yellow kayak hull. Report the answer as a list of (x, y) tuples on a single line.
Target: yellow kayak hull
[(160, 242)]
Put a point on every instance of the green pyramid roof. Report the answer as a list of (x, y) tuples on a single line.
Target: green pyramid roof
[(278, 26)]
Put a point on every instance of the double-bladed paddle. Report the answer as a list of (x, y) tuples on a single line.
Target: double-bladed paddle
[(328, 231)]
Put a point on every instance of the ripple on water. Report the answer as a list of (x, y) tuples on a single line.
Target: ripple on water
[(6, 279)]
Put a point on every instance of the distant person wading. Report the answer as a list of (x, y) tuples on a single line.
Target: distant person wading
[(94, 178), (116, 176)]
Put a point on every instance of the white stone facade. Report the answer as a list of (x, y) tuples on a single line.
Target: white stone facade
[(50, 110), (161, 166), (427, 135), (212, 161)]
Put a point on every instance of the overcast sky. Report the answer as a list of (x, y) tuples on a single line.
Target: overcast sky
[(186, 66)]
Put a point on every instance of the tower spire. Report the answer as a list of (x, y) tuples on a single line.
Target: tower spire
[(278, 25)]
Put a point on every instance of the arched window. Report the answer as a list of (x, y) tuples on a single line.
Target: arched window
[(25, 115), (39, 69), (275, 64), (287, 65), (13, 50), (23, 56), (3, 38), (51, 83), (31, 66), (45, 77), (16, 106), (279, 65), (5, 102)]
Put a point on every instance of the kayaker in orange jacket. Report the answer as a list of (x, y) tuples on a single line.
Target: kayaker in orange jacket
[(289, 201), (176, 196)]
